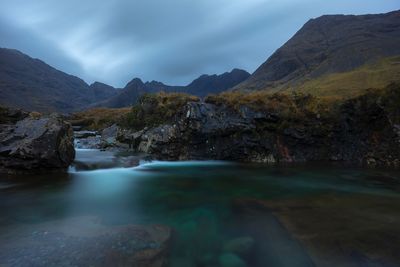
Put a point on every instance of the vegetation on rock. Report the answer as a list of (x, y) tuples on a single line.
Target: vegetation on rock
[(155, 109), (98, 118)]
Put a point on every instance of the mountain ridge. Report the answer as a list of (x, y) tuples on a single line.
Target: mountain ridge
[(202, 86), (33, 85), (325, 45)]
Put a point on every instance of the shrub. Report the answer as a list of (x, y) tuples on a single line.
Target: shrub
[(98, 118), (155, 109)]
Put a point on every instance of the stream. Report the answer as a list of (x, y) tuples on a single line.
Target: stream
[(222, 213)]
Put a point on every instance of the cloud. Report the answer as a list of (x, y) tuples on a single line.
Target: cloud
[(173, 41)]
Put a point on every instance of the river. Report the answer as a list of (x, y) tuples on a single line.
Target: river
[(222, 213)]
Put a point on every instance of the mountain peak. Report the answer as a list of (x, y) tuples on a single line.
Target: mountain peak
[(328, 44), (135, 82)]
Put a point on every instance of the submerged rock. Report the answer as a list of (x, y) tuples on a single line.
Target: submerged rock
[(84, 241), (36, 142), (231, 260), (241, 245)]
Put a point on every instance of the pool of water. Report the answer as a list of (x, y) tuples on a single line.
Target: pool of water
[(211, 205)]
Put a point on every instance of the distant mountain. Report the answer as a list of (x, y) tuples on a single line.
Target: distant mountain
[(213, 84), (202, 86), (101, 91), (31, 84), (329, 45), (126, 96)]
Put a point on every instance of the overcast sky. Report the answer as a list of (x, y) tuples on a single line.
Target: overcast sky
[(172, 41)]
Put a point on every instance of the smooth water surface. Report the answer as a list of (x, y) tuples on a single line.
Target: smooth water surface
[(211, 204)]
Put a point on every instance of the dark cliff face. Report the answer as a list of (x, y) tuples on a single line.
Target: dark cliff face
[(33, 85), (329, 44), (362, 130), (202, 86)]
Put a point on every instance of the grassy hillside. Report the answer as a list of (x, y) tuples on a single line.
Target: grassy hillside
[(355, 82)]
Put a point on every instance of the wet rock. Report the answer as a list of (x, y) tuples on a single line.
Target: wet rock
[(44, 142), (342, 229), (109, 135), (93, 142), (84, 134), (231, 260), (241, 245), (84, 241)]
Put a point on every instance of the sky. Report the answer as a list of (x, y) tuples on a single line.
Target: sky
[(172, 41)]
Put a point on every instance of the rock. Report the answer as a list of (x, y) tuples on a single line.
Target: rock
[(362, 130), (231, 260), (91, 142), (84, 134), (109, 135), (36, 143), (84, 241), (8, 115), (241, 245), (77, 127)]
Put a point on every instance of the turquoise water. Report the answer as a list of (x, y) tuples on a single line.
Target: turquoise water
[(197, 199)]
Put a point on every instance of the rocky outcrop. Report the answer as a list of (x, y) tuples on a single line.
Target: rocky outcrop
[(363, 130), (35, 142)]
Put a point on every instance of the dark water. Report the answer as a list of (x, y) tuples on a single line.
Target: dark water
[(208, 204)]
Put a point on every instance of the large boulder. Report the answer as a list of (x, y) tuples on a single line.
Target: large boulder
[(36, 142)]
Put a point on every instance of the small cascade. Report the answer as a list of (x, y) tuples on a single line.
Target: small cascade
[(86, 139)]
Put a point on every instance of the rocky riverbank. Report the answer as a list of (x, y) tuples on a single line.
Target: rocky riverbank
[(362, 130), (30, 141)]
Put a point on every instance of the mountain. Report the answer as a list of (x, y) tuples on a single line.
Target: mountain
[(213, 84), (202, 86), (31, 84), (126, 97), (331, 44), (101, 91)]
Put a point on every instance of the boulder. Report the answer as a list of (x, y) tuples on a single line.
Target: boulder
[(36, 143), (109, 135)]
